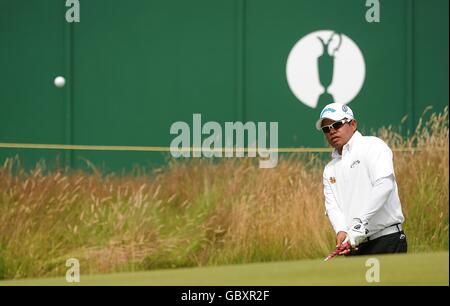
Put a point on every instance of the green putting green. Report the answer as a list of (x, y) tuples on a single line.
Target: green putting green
[(411, 269)]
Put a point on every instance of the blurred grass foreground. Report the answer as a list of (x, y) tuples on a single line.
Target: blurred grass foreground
[(199, 212)]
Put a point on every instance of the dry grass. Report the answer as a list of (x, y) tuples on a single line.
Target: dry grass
[(423, 178), (202, 212)]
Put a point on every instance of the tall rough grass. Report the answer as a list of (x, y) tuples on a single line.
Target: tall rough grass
[(200, 212)]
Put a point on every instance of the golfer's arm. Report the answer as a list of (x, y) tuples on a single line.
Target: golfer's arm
[(380, 193), (381, 171), (333, 211)]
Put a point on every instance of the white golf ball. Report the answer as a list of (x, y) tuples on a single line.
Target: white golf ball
[(60, 82)]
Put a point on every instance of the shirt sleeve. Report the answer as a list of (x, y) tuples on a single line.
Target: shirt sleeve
[(380, 160), (380, 193), (333, 211)]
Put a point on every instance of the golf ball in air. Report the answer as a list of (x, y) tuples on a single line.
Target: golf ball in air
[(60, 81)]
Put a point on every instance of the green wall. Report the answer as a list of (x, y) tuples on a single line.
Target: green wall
[(135, 67)]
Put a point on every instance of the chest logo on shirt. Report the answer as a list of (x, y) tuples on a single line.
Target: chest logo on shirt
[(332, 180), (355, 163)]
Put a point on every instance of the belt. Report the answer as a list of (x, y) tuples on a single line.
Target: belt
[(395, 228)]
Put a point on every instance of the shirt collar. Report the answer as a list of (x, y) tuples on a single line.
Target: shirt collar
[(349, 145)]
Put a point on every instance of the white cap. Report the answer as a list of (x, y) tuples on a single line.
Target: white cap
[(335, 112)]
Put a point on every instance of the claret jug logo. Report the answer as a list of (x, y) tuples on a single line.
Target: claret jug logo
[(325, 67)]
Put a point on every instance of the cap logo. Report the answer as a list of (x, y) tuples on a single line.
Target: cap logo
[(344, 108), (328, 109)]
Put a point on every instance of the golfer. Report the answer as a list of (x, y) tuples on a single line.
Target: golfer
[(361, 194)]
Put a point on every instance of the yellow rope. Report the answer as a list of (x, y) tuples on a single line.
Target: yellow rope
[(167, 149)]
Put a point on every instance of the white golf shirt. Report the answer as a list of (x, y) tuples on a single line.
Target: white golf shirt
[(360, 183)]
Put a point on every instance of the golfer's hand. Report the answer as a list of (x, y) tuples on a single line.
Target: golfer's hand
[(340, 237)]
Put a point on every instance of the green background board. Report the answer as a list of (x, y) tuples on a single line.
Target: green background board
[(135, 67), (31, 55)]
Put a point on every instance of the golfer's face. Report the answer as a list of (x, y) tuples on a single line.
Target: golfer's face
[(338, 137)]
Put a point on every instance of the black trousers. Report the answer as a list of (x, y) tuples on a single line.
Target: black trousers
[(392, 243)]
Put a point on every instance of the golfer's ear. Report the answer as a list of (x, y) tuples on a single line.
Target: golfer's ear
[(354, 124)]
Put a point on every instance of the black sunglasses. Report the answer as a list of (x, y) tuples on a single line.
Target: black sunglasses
[(335, 126)]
